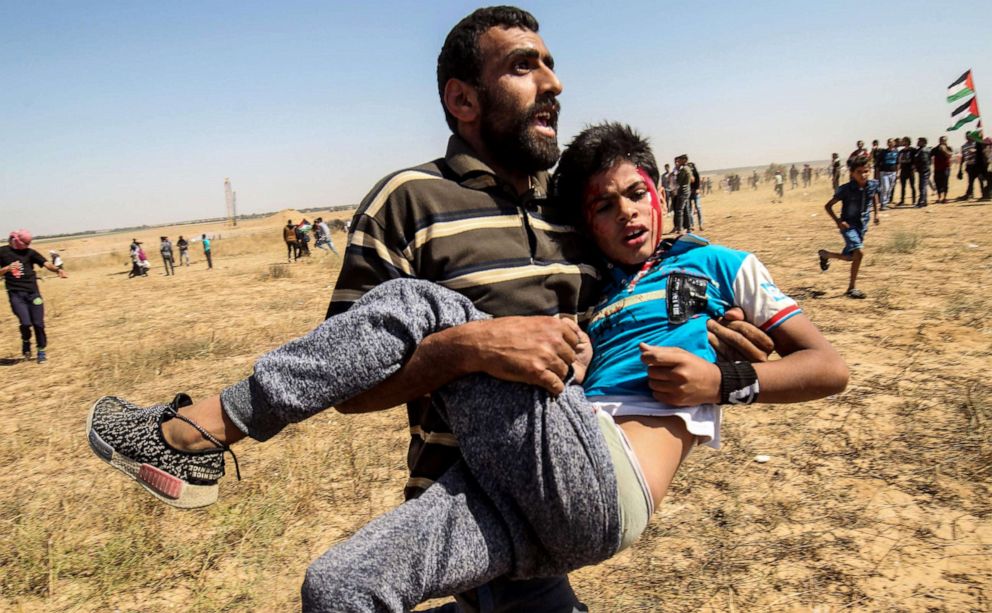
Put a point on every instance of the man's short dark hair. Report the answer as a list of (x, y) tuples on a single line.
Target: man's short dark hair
[(596, 149), (461, 57), (858, 162)]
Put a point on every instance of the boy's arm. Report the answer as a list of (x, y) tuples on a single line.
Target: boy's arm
[(809, 369), (829, 208), (875, 201)]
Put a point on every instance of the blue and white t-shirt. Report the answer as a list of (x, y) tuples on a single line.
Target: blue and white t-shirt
[(856, 201), (719, 278)]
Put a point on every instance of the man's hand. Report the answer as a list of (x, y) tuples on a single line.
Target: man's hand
[(679, 378), (583, 357), (535, 350), (736, 340)]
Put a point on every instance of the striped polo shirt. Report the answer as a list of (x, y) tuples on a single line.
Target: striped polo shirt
[(454, 222)]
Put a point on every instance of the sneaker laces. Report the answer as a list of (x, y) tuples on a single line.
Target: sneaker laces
[(182, 400)]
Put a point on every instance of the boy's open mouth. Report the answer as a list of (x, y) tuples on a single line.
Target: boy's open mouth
[(635, 236)]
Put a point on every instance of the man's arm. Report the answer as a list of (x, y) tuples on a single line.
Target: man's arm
[(53, 268), (534, 350), (809, 369)]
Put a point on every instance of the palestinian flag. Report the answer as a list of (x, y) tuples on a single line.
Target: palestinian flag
[(961, 88), (965, 113)]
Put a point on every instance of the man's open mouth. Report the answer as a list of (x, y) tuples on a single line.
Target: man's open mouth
[(546, 121)]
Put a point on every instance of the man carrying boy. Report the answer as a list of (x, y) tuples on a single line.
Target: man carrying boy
[(504, 121), (858, 199)]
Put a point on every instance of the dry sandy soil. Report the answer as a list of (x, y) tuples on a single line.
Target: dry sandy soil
[(875, 499)]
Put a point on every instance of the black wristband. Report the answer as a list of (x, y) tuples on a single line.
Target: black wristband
[(738, 383)]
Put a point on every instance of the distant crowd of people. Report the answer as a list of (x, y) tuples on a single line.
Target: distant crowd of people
[(297, 238), (873, 177), (922, 168), (139, 259)]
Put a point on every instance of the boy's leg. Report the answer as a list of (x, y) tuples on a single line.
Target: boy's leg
[(560, 485), (448, 540), (541, 500), (348, 354), (544, 463), (856, 257)]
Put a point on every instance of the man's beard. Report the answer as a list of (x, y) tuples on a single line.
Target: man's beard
[(508, 133)]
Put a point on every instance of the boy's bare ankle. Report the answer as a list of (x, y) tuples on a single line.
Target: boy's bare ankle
[(184, 437)]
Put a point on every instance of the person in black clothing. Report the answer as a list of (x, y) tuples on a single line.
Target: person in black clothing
[(983, 151), (906, 170), (694, 196), (17, 262), (941, 155), (835, 171), (183, 246), (921, 163), (877, 153)]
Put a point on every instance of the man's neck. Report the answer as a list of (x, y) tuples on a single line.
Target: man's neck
[(519, 180)]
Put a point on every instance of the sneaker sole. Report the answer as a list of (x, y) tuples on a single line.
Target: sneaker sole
[(168, 488)]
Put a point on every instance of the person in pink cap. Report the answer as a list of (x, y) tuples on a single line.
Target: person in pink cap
[(17, 262)]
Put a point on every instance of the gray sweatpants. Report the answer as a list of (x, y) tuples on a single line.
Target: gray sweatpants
[(535, 495)]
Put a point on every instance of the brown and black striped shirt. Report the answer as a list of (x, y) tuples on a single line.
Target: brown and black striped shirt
[(453, 221)]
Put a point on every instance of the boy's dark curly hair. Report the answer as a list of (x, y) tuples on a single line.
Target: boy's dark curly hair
[(596, 149)]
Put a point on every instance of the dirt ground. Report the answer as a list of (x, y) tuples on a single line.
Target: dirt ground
[(875, 499)]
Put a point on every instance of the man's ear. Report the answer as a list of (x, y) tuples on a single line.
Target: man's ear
[(461, 100)]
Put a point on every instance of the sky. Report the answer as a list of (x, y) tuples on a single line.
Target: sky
[(117, 113)]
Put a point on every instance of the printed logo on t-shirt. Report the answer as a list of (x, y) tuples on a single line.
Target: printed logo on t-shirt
[(773, 291)]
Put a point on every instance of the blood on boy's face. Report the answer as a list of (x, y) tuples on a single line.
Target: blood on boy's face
[(860, 175), (618, 205)]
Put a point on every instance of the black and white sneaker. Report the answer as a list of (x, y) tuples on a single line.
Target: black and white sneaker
[(129, 438)]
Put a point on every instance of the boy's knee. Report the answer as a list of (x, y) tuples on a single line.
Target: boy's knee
[(332, 586)]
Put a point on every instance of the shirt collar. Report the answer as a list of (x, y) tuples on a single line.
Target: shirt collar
[(666, 248), (476, 174)]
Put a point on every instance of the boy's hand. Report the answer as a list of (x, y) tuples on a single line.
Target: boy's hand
[(877, 220), (843, 225), (679, 378)]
